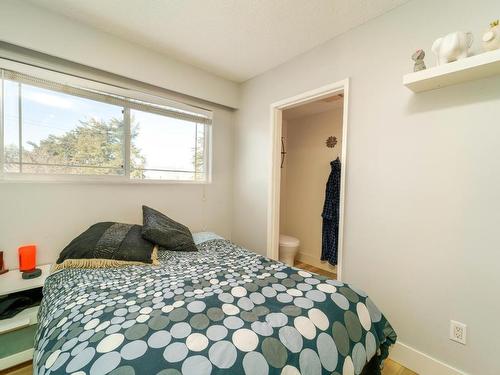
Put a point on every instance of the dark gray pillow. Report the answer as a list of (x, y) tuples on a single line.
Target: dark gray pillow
[(109, 240), (165, 232)]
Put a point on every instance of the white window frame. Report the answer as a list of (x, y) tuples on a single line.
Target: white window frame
[(79, 82)]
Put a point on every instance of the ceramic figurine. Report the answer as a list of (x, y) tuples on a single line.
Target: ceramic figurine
[(418, 57), (452, 47), (491, 38)]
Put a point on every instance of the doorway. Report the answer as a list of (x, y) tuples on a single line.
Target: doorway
[(286, 182)]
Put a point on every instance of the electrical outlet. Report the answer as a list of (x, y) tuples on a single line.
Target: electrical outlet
[(458, 332)]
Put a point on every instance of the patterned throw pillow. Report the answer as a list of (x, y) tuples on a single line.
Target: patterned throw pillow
[(107, 244), (165, 232)]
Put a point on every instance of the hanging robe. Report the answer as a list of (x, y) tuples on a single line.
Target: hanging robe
[(331, 215)]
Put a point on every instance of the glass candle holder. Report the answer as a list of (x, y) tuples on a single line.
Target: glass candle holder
[(27, 258)]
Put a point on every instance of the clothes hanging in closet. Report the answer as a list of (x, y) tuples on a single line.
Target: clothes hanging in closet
[(331, 214)]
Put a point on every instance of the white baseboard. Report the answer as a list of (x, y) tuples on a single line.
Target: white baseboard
[(313, 261), (421, 363)]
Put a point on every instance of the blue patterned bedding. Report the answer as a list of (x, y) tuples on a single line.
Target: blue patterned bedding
[(221, 310)]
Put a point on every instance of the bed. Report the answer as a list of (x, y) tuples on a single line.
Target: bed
[(220, 310)]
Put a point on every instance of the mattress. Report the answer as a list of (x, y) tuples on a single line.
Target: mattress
[(221, 310)]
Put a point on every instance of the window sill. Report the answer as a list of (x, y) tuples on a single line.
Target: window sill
[(91, 180)]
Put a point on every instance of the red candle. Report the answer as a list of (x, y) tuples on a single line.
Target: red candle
[(27, 258)]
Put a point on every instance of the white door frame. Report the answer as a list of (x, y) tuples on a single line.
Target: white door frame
[(273, 219)]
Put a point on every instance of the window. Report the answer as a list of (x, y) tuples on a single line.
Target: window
[(166, 148), (56, 129)]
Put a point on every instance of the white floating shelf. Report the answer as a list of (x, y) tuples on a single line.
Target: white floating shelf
[(475, 67)]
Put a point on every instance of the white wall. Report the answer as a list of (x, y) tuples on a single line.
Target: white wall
[(52, 214), (423, 177), (307, 167), (33, 27)]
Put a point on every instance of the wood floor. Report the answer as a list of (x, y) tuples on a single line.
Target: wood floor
[(394, 368), (321, 271), (390, 367), (22, 369)]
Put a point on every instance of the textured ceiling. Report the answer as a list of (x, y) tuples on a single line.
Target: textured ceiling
[(235, 39)]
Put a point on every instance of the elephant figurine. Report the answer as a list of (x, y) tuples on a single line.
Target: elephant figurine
[(491, 38), (452, 47)]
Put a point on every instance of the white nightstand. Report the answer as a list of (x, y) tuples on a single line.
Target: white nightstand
[(17, 333)]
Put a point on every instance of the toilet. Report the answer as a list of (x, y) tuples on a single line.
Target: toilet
[(288, 249)]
